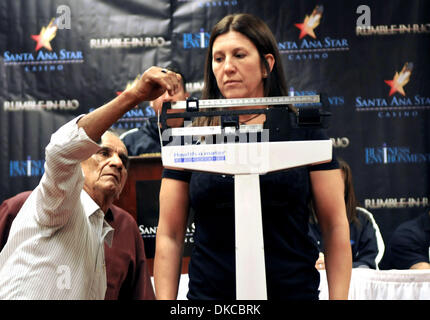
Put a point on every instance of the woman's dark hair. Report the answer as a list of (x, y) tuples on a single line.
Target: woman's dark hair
[(257, 31), (350, 199)]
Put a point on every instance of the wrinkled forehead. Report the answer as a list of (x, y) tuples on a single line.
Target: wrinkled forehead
[(112, 141)]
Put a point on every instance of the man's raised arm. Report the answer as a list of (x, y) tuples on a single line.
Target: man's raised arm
[(153, 83)]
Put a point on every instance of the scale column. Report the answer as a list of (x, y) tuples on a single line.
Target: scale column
[(250, 265)]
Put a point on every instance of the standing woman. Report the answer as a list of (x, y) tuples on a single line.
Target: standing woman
[(243, 61)]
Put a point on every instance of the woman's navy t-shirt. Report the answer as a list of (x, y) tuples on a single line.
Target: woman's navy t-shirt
[(290, 254)]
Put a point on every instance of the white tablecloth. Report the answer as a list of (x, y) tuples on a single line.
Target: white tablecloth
[(369, 284)]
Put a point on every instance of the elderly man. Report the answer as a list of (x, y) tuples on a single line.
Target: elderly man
[(127, 271), (55, 248)]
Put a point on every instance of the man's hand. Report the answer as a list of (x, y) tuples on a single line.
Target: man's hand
[(154, 82)]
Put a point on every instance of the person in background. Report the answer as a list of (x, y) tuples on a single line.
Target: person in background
[(366, 241), (243, 61), (55, 247), (146, 139), (126, 266), (409, 246)]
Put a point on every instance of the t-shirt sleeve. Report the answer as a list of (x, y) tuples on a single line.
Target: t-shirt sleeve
[(177, 174), (320, 134)]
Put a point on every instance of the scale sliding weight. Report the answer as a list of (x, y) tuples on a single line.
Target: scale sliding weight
[(245, 159)]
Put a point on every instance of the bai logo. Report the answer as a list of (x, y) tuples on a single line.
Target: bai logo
[(309, 47), (390, 155), (196, 40), (26, 168)]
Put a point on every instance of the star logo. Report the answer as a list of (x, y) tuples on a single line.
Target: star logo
[(45, 36), (310, 23), (400, 79)]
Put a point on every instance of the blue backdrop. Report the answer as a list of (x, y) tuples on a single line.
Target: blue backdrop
[(61, 58)]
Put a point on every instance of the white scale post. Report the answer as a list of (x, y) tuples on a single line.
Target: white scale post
[(246, 161)]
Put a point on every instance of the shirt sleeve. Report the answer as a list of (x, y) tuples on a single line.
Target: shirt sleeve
[(177, 174), (59, 190), (320, 134)]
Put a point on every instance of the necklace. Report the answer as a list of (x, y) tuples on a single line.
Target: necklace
[(250, 118)]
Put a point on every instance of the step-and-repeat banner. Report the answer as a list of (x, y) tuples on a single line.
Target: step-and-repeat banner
[(62, 58)]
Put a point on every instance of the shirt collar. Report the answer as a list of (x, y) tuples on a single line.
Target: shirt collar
[(107, 233), (90, 208)]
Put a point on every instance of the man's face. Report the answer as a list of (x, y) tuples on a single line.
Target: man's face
[(157, 104), (106, 171)]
